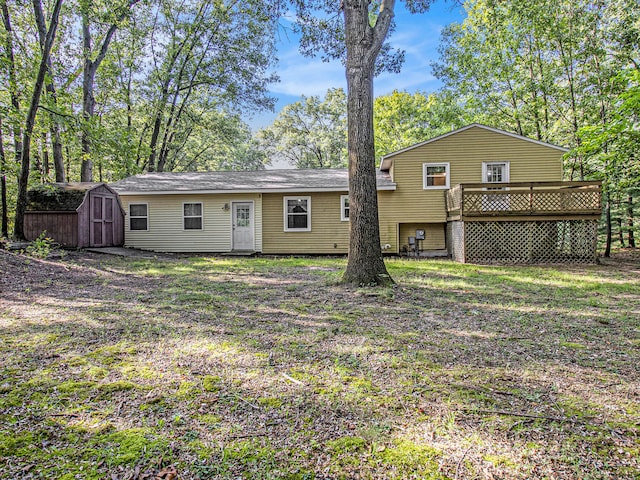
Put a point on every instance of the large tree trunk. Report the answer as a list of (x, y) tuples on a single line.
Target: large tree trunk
[(365, 265), (23, 179)]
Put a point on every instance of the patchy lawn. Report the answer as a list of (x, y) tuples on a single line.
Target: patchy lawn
[(212, 367)]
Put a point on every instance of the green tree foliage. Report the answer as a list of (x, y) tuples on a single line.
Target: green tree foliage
[(615, 145), (218, 141), (310, 133), (213, 54), (535, 68), (133, 86), (402, 119), (549, 70)]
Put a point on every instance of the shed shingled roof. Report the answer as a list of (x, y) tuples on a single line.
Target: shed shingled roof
[(258, 181), (58, 197)]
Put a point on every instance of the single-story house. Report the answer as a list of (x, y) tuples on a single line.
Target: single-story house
[(426, 199)]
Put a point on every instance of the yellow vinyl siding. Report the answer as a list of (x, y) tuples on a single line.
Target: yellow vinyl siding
[(388, 224), (328, 235), (465, 152), (434, 235), (166, 231)]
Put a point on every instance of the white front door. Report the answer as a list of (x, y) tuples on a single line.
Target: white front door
[(242, 225)]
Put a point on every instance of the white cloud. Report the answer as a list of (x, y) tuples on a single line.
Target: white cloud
[(311, 76)]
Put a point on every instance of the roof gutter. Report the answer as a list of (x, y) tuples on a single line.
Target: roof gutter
[(243, 192)]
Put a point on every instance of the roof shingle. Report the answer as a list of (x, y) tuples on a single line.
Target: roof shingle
[(316, 180)]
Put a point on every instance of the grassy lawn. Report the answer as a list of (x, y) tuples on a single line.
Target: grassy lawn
[(260, 368)]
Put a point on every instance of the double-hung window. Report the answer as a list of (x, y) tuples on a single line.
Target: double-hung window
[(192, 215), (435, 175), (138, 216), (297, 214), (344, 208)]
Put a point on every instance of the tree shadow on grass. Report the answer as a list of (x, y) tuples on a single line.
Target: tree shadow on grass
[(231, 368)]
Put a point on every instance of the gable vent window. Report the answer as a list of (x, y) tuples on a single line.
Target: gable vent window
[(435, 175), (192, 216), (139, 216)]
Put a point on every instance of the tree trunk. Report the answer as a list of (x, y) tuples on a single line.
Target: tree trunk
[(365, 264), (13, 87), (620, 232), (153, 145), (630, 222), (3, 187), (88, 101), (58, 158), (88, 82), (23, 179), (56, 142), (45, 162), (607, 221)]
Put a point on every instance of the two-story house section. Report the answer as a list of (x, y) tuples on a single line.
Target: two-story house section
[(483, 194)]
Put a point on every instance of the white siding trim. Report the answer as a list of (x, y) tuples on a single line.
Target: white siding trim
[(201, 217), (447, 166), (128, 222), (244, 192)]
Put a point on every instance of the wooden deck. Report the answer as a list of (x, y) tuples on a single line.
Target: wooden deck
[(524, 201)]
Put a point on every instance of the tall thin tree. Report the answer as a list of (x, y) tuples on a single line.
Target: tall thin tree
[(56, 141), (90, 69), (30, 121), (3, 187)]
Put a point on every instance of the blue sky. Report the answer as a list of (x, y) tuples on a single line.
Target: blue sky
[(418, 35)]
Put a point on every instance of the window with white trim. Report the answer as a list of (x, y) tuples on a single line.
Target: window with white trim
[(435, 175), (297, 214), (138, 216), (192, 216), (344, 208), (495, 172)]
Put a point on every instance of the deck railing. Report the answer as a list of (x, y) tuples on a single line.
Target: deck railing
[(524, 199)]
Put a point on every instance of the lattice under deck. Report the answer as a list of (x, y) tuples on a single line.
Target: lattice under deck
[(559, 241)]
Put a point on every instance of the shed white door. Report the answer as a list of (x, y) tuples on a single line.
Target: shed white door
[(243, 231)]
